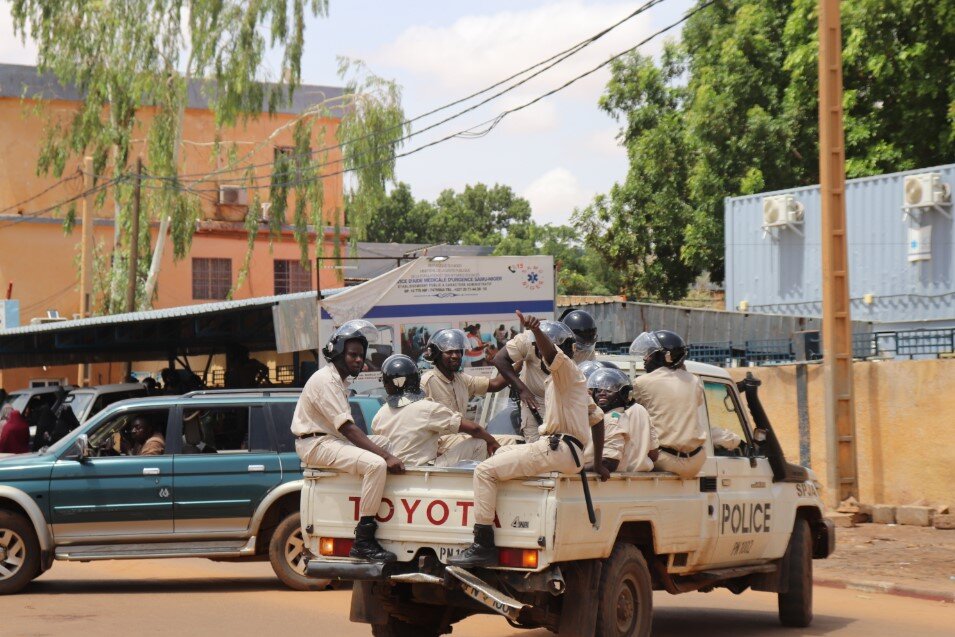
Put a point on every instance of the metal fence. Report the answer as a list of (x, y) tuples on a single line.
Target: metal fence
[(911, 344)]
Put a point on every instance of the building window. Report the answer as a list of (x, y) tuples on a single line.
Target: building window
[(291, 277), (211, 278)]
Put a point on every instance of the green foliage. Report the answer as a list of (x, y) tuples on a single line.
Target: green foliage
[(125, 56), (732, 110)]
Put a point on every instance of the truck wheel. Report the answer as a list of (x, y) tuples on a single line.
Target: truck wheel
[(625, 596), (19, 552), (398, 628), (287, 554), (795, 605)]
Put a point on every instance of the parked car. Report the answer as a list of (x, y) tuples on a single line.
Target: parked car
[(226, 487), (89, 401), (28, 401)]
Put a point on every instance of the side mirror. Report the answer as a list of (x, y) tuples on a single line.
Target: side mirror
[(81, 448), (729, 404), (759, 435)]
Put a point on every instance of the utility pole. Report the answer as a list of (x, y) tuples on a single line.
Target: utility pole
[(86, 258), (133, 264), (836, 319)]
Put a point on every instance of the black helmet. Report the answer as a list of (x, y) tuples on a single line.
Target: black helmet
[(559, 334), (357, 330), (446, 340), (613, 380), (661, 348), (584, 328), (401, 379), (589, 367)]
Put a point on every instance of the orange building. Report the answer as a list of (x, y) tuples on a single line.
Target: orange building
[(41, 261)]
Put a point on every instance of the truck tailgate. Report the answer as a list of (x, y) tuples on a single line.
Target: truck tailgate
[(427, 507)]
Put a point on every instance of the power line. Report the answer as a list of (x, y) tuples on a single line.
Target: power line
[(56, 184), (547, 64), (37, 213)]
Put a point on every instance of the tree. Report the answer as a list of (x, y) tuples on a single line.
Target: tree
[(477, 216), (732, 110), (125, 56)]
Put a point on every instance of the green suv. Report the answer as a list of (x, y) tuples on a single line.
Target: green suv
[(225, 485)]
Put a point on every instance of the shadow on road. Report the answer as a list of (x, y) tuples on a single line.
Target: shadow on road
[(154, 587), (715, 622)]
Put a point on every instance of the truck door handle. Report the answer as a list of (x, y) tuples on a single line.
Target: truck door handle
[(256, 468), (151, 471)]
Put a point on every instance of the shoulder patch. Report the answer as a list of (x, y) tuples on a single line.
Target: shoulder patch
[(615, 415)]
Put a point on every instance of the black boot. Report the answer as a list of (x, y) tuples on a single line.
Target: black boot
[(481, 553), (366, 547)]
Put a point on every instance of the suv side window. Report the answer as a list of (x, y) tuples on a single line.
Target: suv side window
[(282, 420), (213, 429), (120, 435), (727, 427)]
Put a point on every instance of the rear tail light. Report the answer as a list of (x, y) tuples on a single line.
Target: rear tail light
[(517, 558), (335, 546)]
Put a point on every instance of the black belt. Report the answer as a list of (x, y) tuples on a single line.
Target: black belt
[(316, 434), (681, 454), (573, 444)]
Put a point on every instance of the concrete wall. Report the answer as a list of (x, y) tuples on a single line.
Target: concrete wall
[(905, 425)]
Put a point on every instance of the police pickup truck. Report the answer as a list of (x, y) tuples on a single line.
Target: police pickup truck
[(750, 520)]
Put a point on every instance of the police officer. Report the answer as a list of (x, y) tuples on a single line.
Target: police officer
[(628, 437), (413, 424), (584, 327), (564, 431), (673, 397), (448, 385), (327, 436), (522, 350)]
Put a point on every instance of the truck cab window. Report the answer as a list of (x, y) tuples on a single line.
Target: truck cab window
[(727, 426)]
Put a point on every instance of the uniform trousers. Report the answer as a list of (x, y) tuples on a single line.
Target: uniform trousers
[(330, 452), (514, 462), (686, 468), (446, 442), (529, 424)]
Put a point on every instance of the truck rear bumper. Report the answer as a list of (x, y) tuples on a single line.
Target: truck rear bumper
[(348, 570)]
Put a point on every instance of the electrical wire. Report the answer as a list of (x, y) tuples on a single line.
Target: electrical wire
[(37, 213), (56, 184)]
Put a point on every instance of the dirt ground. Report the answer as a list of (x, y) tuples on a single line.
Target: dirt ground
[(920, 558)]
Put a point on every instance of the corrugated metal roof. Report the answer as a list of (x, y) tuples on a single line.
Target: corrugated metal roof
[(782, 274), (17, 80), (153, 315)]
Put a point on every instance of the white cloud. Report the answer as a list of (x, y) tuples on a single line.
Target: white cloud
[(478, 50), (605, 142), (12, 49), (540, 117), (554, 195)]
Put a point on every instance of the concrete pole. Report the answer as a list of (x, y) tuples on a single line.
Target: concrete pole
[(86, 257), (836, 319), (133, 264)]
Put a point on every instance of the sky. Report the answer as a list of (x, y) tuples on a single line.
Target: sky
[(558, 153)]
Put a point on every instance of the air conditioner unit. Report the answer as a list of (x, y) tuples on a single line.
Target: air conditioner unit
[(925, 190), (43, 320), (233, 196), (782, 210)]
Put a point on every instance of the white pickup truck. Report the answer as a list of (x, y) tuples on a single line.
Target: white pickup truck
[(750, 520)]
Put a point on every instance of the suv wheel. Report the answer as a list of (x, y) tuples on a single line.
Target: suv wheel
[(795, 605), (625, 596), (287, 554), (19, 552)]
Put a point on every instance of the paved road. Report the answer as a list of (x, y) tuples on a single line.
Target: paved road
[(198, 597)]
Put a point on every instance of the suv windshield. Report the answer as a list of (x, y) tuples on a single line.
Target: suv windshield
[(78, 402)]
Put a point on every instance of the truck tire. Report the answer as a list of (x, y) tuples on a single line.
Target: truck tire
[(625, 596), (795, 605), (19, 552), (287, 555), (397, 628)]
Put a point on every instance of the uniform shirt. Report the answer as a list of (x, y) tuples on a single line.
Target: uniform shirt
[(628, 438), (673, 398), (323, 405), (413, 430), (724, 438), (521, 348), (454, 393), (566, 401)]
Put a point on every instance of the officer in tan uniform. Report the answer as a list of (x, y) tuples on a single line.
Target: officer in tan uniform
[(628, 438), (673, 397), (530, 385), (564, 431), (327, 436), (448, 385), (413, 424)]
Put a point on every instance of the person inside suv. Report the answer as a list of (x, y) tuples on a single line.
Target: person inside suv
[(147, 441)]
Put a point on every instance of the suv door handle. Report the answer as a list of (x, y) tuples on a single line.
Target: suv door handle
[(151, 471), (256, 467)]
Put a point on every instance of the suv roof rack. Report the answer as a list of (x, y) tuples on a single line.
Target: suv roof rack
[(263, 391)]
